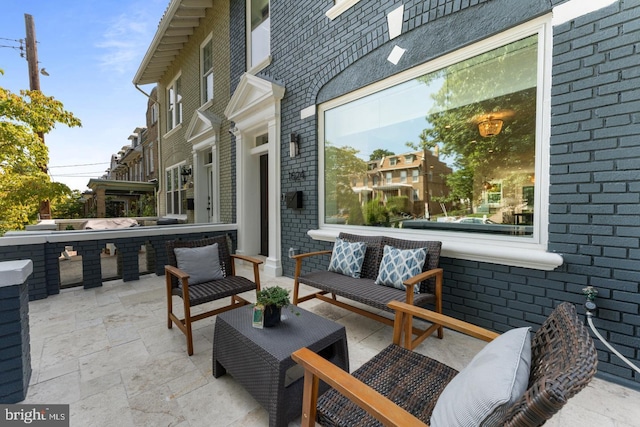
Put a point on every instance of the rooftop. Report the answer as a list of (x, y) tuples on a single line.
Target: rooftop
[(108, 353)]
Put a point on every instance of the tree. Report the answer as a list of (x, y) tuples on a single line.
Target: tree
[(379, 153), (342, 165), (69, 206), (24, 182)]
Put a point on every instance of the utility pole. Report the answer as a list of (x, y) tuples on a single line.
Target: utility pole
[(32, 52), (34, 84)]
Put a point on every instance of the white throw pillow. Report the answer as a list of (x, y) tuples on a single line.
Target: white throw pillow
[(202, 264), (347, 257), (484, 390), (398, 265)]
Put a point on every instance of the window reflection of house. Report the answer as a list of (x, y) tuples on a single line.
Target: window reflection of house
[(390, 178)]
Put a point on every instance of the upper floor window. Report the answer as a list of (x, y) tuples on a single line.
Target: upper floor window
[(473, 119), (393, 161), (259, 39), (154, 113), (174, 103), (206, 68)]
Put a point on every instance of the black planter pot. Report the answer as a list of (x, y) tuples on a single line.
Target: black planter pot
[(271, 316)]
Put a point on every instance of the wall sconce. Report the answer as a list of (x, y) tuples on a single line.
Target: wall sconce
[(185, 172), (294, 145)]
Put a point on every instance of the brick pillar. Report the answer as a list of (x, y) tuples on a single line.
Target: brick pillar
[(15, 349), (101, 203)]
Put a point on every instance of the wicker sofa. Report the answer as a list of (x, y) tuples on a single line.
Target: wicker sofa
[(363, 290)]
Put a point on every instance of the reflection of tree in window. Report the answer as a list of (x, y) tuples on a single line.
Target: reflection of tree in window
[(499, 84), (341, 165)]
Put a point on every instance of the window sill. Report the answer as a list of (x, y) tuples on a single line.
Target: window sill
[(260, 66), (172, 131), (339, 8), (206, 105), (503, 254)]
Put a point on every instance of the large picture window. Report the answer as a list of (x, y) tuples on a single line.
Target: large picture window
[(465, 132)]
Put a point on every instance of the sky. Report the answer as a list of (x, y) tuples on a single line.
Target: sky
[(91, 50)]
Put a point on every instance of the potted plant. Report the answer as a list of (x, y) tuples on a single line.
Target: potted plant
[(272, 300)]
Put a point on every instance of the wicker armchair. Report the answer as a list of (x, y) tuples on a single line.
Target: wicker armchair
[(196, 294), (384, 390)]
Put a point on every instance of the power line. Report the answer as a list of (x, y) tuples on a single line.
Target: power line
[(85, 164), (79, 174)]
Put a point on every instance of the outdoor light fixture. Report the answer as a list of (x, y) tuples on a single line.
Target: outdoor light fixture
[(185, 171), (294, 145), (490, 127)]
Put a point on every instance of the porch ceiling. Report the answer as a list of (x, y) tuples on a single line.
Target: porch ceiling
[(176, 26)]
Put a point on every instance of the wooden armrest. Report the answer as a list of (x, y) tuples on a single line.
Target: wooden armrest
[(175, 271), (423, 276), (247, 258), (449, 322), (355, 390), (256, 269), (309, 254)]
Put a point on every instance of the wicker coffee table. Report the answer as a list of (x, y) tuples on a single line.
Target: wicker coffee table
[(260, 359)]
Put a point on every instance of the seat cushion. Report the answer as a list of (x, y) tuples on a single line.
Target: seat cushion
[(361, 290), (202, 264), (398, 265), (347, 257), (214, 290), (482, 392), (409, 379)]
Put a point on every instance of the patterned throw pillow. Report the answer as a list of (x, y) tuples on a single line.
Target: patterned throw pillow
[(347, 257), (399, 265)]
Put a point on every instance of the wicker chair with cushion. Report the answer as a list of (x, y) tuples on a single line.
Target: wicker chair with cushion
[(202, 271), (513, 381)]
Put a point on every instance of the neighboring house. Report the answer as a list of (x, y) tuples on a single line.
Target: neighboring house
[(532, 107), (150, 140), (128, 187), (189, 60)]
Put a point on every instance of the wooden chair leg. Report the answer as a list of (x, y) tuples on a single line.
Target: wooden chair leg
[(187, 325), (310, 399), (169, 302)]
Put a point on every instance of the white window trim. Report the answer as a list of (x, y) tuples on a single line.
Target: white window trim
[(166, 90), (260, 66), (183, 192), (340, 7), (253, 69), (203, 101), (496, 249)]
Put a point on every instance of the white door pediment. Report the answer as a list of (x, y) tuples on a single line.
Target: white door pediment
[(202, 124), (251, 95)]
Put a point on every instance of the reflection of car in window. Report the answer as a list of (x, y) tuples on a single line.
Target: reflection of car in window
[(471, 220)]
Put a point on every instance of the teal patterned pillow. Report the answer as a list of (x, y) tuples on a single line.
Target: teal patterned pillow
[(347, 257), (399, 265)]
